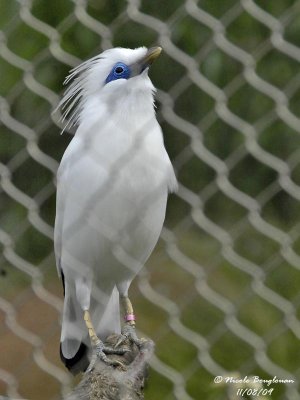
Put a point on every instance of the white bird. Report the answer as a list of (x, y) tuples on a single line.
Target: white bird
[(112, 188)]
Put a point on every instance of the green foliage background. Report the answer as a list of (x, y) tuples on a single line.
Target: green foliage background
[(192, 104)]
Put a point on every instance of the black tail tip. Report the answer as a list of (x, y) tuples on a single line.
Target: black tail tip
[(78, 363)]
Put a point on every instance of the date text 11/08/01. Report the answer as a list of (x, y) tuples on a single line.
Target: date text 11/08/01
[(254, 392)]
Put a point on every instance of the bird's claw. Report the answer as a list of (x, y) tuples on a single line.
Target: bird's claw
[(120, 341), (128, 332), (101, 352)]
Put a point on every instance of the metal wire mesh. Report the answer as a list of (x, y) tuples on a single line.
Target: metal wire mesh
[(220, 294)]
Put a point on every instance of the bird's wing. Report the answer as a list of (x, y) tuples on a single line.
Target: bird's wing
[(172, 181), (61, 195), (60, 206)]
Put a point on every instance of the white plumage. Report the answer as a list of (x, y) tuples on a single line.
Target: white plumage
[(113, 183)]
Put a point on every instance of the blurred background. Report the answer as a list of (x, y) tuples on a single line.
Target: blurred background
[(220, 294)]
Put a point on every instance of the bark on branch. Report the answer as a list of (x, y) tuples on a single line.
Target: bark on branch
[(114, 383)]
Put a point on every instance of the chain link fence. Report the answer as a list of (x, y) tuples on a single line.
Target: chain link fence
[(220, 294)]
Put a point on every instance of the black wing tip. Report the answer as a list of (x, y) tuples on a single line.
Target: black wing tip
[(63, 281), (78, 363)]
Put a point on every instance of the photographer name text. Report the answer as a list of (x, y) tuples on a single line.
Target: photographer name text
[(251, 380)]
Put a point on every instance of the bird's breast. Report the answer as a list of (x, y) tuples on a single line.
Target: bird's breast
[(115, 179)]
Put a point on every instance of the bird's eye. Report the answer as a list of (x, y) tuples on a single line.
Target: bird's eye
[(119, 70)]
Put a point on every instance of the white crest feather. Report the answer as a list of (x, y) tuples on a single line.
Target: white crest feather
[(72, 101)]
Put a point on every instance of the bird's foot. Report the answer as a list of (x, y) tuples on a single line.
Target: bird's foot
[(101, 351), (128, 332)]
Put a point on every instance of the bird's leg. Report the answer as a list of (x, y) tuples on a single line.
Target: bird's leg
[(92, 333), (128, 330), (98, 345), (129, 315)]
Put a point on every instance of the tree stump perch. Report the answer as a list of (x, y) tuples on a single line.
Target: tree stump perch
[(104, 382)]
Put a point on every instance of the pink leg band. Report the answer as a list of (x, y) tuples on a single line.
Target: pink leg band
[(129, 317)]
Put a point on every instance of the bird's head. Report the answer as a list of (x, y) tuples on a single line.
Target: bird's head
[(108, 77)]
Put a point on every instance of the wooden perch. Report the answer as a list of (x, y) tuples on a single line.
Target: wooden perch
[(105, 382)]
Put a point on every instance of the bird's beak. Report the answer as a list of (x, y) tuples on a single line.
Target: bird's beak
[(151, 55), (138, 67)]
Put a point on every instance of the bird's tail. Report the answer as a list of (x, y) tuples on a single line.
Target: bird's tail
[(107, 321), (75, 349)]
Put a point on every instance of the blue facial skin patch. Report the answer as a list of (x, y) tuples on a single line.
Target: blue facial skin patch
[(119, 71)]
